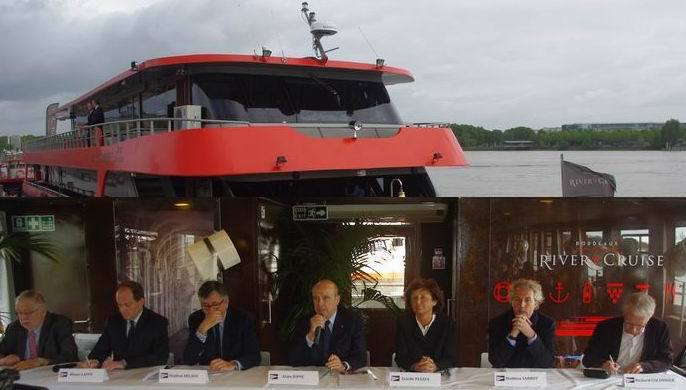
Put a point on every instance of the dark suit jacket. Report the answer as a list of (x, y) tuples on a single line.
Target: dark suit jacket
[(348, 342), (540, 354), (238, 343), (677, 361), (149, 345), (438, 344), (56, 342), (97, 116), (607, 337)]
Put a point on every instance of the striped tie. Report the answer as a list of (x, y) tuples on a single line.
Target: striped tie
[(33, 348)]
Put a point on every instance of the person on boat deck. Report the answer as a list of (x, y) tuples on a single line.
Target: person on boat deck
[(95, 117), (134, 337), (85, 133), (38, 337), (424, 338), (221, 335), (89, 118), (634, 343), (522, 337)]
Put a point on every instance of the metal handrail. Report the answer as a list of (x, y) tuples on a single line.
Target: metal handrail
[(117, 131), (122, 130)]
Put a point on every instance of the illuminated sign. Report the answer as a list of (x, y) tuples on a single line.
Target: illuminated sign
[(611, 259)]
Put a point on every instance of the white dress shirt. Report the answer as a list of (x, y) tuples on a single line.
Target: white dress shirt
[(630, 349), (425, 329)]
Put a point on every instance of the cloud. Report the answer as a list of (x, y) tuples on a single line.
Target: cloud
[(494, 63)]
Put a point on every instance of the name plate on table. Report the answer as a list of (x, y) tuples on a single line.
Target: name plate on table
[(655, 381), (184, 376), (82, 375), (520, 379), (290, 377), (414, 379)]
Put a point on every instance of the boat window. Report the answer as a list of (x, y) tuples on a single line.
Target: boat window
[(386, 261), (635, 241), (289, 99), (159, 103), (124, 109)]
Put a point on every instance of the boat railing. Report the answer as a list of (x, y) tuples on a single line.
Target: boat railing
[(110, 133), (432, 125)]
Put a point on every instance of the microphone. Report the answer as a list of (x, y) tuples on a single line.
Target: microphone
[(317, 335), (7, 378), (57, 367)]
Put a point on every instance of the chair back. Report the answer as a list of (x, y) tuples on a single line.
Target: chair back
[(393, 363), (85, 343), (265, 358), (484, 361)]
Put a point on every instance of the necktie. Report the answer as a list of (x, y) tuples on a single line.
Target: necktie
[(132, 326), (218, 336), (33, 348), (326, 339)]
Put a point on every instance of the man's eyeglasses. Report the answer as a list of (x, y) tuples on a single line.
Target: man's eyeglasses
[(212, 305), (25, 313)]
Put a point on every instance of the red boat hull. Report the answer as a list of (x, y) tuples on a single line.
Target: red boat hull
[(254, 150)]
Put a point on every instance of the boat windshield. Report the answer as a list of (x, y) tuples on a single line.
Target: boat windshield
[(292, 99)]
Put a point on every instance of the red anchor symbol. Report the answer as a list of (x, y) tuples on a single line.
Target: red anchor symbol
[(559, 287)]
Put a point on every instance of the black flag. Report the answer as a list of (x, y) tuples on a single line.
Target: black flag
[(577, 180)]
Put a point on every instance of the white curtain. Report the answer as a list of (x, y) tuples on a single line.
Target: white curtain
[(6, 291), (6, 283)]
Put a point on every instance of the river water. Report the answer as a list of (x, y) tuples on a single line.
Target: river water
[(537, 173)]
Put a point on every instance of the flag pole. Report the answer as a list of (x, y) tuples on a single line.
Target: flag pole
[(562, 174)]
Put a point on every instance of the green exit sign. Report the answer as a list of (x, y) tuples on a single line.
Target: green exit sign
[(310, 213), (33, 223)]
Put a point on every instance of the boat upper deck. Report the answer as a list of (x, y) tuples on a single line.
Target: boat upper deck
[(389, 75)]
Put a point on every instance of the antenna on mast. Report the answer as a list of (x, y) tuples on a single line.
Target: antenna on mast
[(318, 30)]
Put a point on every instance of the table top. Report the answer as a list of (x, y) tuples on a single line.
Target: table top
[(256, 378)]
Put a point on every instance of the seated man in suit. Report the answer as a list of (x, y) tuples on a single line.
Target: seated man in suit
[(341, 345), (220, 335), (135, 337), (424, 338), (634, 343), (522, 337), (37, 337)]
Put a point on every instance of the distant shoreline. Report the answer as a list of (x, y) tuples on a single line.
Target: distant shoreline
[(527, 149)]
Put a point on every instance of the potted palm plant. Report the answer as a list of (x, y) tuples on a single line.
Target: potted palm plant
[(11, 247), (313, 251)]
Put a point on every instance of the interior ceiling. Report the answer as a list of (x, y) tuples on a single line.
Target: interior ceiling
[(540, 211)]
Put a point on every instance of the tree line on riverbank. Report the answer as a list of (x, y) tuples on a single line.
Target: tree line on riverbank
[(672, 134)]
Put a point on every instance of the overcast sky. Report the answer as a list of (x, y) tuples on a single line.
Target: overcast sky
[(491, 63)]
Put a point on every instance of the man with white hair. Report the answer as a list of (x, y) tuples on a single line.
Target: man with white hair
[(633, 343), (38, 337), (522, 337)]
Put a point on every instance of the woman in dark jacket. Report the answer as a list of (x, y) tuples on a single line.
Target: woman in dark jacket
[(424, 339)]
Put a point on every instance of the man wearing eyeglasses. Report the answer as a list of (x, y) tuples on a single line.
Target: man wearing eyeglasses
[(220, 336), (135, 337), (37, 337), (633, 343)]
